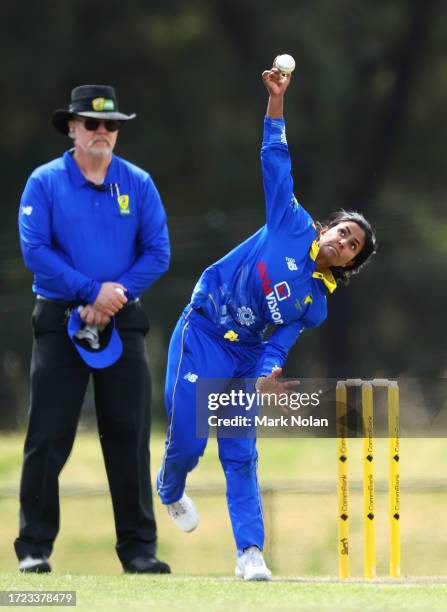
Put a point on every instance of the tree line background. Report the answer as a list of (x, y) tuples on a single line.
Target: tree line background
[(366, 125)]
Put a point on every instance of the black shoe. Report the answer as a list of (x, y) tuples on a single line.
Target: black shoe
[(146, 565), (35, 565)]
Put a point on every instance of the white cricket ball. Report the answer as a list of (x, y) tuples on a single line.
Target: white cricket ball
[(119, 290), (285, 63)]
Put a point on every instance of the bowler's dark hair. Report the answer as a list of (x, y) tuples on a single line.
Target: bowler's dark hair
[(343, 275)]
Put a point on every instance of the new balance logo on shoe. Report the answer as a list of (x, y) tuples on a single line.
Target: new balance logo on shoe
[(184, 514)]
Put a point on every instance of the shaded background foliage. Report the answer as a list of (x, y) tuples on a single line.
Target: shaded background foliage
[(366, 127)]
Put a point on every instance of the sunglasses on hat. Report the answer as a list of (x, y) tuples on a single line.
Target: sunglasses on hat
[(91, 124)]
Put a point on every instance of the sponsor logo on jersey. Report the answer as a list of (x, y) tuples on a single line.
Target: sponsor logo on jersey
[(308, 300), (291, 264), (123, 203), (27, 210), (314, 250), (232, 336), (280, 291), (245, 316), (192, 378), (294, 204), (283, 136)]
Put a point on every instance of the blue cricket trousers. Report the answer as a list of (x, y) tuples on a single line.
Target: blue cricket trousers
[(197, 349)]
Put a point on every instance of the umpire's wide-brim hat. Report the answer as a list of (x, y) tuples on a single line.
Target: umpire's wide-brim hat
[(98, 101), (110, 344)]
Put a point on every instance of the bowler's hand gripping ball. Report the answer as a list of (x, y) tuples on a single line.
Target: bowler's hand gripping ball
[(285, 63), (119, 290)]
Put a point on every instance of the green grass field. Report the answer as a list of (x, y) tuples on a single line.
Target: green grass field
[(300, 510), (202, 593)]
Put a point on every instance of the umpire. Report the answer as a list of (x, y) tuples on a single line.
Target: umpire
[(93, 232)]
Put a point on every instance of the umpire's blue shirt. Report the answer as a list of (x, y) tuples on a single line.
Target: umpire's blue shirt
[(76, 235)]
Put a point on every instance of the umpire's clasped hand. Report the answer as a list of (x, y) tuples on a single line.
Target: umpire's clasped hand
[(109, 301)]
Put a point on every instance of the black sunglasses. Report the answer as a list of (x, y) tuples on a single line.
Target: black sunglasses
[(91, 124)]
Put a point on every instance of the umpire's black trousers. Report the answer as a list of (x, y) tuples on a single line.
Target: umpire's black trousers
[(59, 380)]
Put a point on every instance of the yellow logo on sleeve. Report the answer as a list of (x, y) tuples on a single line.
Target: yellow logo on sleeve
[(308, 300), (123, 202), (232, 336), (314, 250)]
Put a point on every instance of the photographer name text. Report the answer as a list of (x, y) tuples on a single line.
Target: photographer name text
[(265, 421)]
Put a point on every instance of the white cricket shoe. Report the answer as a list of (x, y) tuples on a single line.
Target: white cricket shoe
[(251, 565), (184, 514)]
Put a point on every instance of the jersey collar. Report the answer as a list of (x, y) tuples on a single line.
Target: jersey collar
[(326, 276), (79, 179), (328, 279)]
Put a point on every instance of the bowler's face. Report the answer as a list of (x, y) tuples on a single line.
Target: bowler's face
[(340, 244), (97, 143)]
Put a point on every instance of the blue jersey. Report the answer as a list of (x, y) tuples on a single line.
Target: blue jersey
[(76, 235), (270, 278)]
